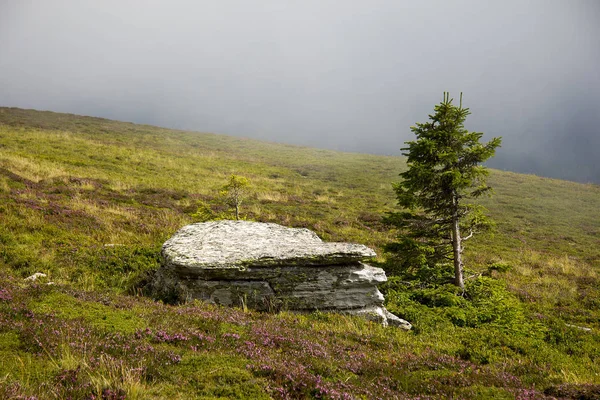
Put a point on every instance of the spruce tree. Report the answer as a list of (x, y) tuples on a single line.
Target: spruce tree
[(235, 192), (444, 173)]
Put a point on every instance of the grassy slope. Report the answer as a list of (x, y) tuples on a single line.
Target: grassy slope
[(89, 201)]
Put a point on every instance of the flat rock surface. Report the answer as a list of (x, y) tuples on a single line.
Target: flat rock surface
[(242, 244)]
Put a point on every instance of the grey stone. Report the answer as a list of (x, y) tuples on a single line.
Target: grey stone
[(269, 267), (232, 293), (393, 320), (383, 316)]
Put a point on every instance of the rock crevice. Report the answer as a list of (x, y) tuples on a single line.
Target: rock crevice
[(269, 267)]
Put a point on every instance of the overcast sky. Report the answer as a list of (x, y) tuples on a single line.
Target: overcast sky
[(342, 74)]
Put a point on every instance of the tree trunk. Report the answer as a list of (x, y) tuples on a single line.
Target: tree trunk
[(457, 249), (237, 211)]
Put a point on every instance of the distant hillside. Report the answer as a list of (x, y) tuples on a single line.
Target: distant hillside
[(89, 202), (337, 194)]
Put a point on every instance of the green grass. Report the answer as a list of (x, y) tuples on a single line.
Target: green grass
[(95, 314), (90, 201)]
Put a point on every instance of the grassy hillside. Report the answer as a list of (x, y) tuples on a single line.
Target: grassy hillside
[(89, 202)]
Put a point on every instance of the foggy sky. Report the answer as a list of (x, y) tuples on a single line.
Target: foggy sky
[(341, 74)]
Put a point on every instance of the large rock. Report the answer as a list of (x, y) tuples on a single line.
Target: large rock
[(268, 267)]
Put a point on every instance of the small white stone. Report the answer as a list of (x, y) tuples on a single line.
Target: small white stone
[(35, 276)]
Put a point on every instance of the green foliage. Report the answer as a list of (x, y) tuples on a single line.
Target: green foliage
[(114, 265), (227, 377), (484, 302), (489, 325), (203, 213), (571, 339), (443, 173), (499, 267), (234, 192), (96, 314)]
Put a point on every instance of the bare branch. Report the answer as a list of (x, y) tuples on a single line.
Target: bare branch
[(469, 236)]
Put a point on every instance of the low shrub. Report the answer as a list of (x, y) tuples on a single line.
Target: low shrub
[(485, 301)]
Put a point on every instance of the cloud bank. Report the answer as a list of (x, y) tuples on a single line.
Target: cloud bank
[(344, 74)]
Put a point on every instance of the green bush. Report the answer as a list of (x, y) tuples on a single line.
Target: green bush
[(203, 213), (485, 301), (572, 340), (500, 267), (118, 266)]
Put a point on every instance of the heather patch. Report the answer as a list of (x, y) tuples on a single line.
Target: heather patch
[(216, 351), (88, 360)]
